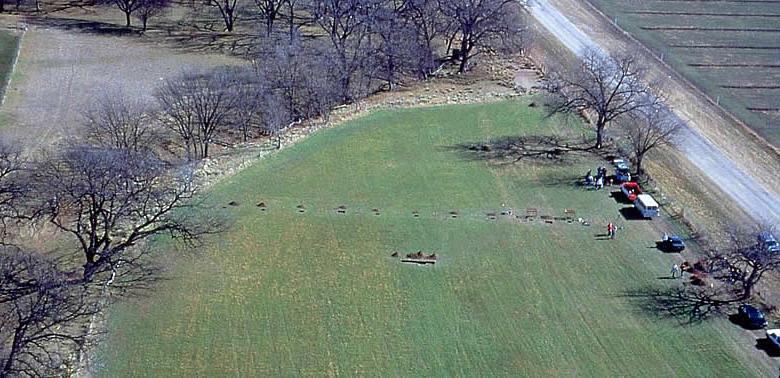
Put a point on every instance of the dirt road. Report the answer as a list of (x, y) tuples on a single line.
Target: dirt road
[(746, 181)]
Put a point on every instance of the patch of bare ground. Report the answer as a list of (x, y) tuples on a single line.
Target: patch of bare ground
[(59, 72)]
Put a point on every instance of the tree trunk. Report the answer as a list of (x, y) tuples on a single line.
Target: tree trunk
[(89, 270), (292, 23), (269, 25), (600, 133), (464, 55), (639, 158), (228, 19), (16, 344), (144, 20), (127, 19)]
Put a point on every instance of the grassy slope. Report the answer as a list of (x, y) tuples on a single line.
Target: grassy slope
[(285, 293), (8, 45), (709, 79)]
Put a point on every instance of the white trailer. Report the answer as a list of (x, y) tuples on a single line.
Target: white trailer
[(647, 206)]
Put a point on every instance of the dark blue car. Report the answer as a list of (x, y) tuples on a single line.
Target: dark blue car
[(674, 243), (751, 316)]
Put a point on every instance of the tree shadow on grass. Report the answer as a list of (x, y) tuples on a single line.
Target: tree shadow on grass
[(83, 26), (686, 306), (562, 180), (512, 149), (175, 35)]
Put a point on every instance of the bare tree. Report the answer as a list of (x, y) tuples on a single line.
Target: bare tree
[(149, 9), (40, 311), (114, 121), (270, 11), (429, 23), (301, 77), (733, 272), (397, 49), (228, 9), (346, 24), (196, 106), (14, 186), (128, 7), (745, 261), (608, 88), (247, 113), (647, 129), (426, 23), (481, 24), (109, 200), (275, 117)]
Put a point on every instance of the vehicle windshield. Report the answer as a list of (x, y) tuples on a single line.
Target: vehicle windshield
[(755, 314)]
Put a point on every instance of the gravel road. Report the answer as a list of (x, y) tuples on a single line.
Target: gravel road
[(744, 189)]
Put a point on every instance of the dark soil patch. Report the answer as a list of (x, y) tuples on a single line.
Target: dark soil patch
[(697, 28), (734, 65), (233, 203), (671, 13), (750, 86), (726, 47)]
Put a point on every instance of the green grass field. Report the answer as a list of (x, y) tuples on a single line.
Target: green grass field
[(729, 49), (285, 293), (9, 44)]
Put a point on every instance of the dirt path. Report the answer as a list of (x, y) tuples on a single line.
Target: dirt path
[(745, 171)]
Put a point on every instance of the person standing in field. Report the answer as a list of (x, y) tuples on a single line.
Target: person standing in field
[(675, 269), (610, 230)]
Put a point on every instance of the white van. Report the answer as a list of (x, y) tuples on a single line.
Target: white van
[(647, 206)]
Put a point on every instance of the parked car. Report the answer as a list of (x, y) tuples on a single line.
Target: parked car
[(672, 243), (769, 241), (647, 206), (774, 336), (630, 190), (622, 172), (751, 316)]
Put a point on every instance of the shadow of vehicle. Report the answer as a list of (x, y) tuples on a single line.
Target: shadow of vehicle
[(631, 213), (665, 247), (619, 197), (740, 321), (768, 347)]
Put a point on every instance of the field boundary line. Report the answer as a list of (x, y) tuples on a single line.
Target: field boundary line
[(17, 52), (723, 112)]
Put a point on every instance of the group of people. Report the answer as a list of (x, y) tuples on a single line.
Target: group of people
[(598, 181), (611, 230)]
